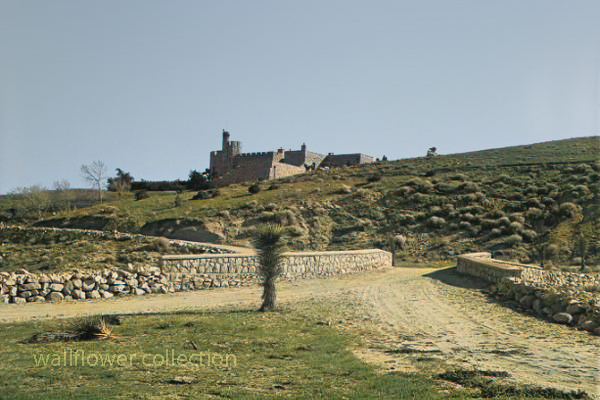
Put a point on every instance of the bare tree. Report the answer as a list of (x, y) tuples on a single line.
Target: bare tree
[(33, 200), (94, 175), (64, 194)]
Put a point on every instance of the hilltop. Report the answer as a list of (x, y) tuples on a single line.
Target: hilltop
[(510, 201)]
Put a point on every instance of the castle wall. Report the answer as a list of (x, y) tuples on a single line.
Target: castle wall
[(280, 170), (340, 160)]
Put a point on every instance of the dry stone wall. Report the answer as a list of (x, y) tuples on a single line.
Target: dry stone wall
[(181, 273), (561, 297)]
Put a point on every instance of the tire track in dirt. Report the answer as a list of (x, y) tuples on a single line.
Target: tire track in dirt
[(426, 315)]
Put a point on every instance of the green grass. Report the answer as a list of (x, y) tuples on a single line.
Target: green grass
[(284, 354)]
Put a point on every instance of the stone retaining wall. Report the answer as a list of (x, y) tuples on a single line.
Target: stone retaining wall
[(562, 297), (180, 273), (482, 266)]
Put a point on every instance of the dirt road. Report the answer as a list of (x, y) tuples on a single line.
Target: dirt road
[(413, 313)]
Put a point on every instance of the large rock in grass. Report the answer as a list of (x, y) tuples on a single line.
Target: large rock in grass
[(563, 318)]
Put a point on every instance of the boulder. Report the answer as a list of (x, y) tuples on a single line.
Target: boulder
[(77, 283), (55, 296), (26, 294), (56, 287), (588, 325), (575, 308), (19, 300), (88, 285), (139, 292), (68, 288), (563, 318), (78, 294), (105, 294), (30, 286), (94, 294)]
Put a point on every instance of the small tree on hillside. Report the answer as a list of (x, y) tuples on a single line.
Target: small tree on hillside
[(122, 182), (431, 152), (270, 253), (94, 175)]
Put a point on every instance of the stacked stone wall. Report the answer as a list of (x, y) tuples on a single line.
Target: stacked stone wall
[(562, 297), (181, 273)]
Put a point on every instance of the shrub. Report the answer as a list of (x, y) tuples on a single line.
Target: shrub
[(504, 221), (436, 222), (468, 187), (514, 239), (528, 235), (534, 213), (141, 195), (464, 225), (254, 188), (515, 227), (568, 210), (374, 178), (206, 194)]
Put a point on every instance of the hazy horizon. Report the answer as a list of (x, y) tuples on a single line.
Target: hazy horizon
[(148, 86)]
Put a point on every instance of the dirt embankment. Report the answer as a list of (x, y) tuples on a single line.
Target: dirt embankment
[(413, 313)]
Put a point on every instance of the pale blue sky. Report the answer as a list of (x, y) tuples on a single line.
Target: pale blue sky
[(148, 86)]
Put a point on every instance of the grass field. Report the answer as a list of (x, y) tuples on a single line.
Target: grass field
[(240, 354)]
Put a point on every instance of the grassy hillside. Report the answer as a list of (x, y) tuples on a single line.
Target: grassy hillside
[(507, 200)]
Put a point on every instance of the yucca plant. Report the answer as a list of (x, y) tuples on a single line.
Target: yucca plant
[(270, 252)]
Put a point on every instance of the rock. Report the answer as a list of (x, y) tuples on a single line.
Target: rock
[(30, 286), (68, 288), (588, 325), (144, 286), (19, 300), (596, 332), (139, 292), (78, 294), (527, 300), (88, 285), (5, 299), (183, 380), (56, 287), (119, 289), (27, 293), (106, 295), (55, 296), (94, 294), (575, 308), (563, 318), (76, 283)]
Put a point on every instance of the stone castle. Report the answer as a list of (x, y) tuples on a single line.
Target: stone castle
[(230, 165)]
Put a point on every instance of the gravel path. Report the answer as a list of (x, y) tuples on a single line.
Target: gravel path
[(416, 311)]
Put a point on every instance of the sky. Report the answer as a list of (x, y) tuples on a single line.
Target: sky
[(148, 86)]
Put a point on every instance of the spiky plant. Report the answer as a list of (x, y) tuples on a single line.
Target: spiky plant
[(88, 328), (270, 251)]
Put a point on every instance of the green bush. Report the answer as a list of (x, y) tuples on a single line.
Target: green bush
[(254, 188)]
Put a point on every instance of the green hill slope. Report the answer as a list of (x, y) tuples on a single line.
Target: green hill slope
[(506, 200)]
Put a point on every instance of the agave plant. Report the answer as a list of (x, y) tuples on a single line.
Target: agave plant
[(270, 251)]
